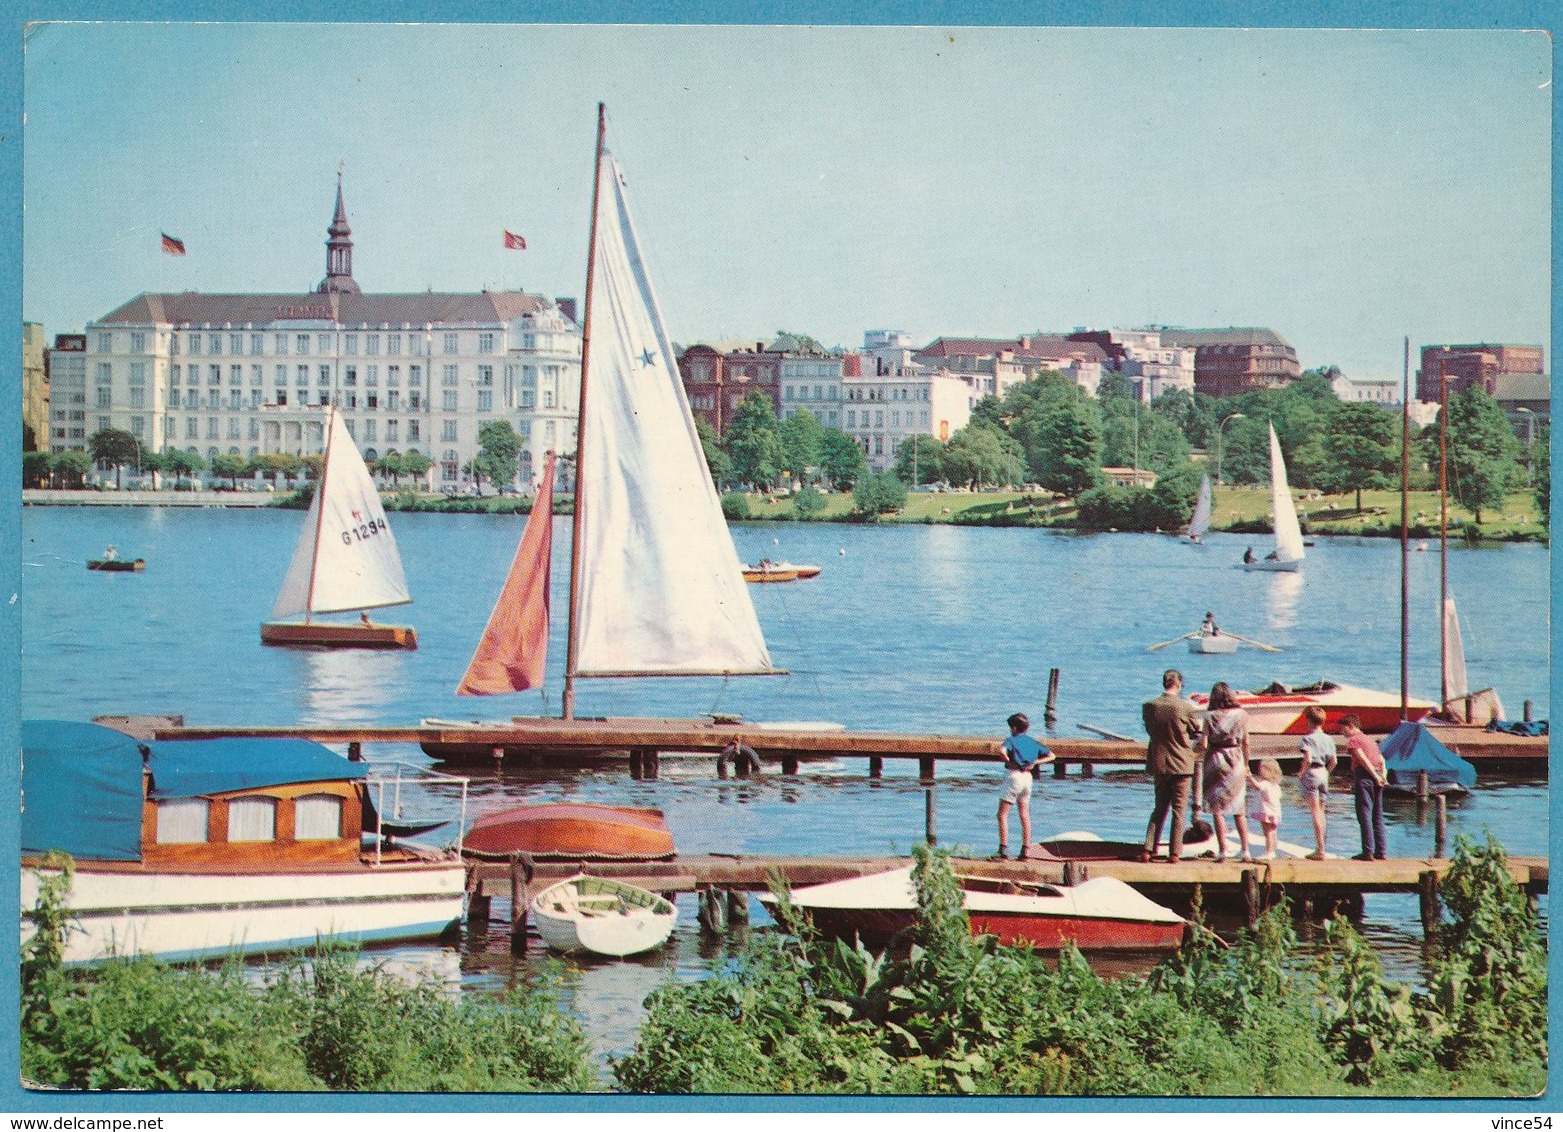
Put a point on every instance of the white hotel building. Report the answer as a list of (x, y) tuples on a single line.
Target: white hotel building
[(248, 375)]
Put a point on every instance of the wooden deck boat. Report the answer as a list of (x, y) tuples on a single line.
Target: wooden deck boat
[(766, 571), (602, 916), (1278, 709), (330, 634), (196, 849), (804, 570), (1099, 915), (572, 831)]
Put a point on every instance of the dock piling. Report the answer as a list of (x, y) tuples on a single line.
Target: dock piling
[(520, 876), (478, 903), (930, 817), (1427, 894), (1050, 712), (355, 752), (925, 769), (1529, 707), (737, 908), (876, 766), (1440, 825), (1251, 896)]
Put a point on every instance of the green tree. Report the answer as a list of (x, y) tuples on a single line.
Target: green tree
[(389, 464), (36, 467), (801, 434), (1068, 454), (1543, 475), (878, 494), (71, 468), (499, 451), (841, 460), (717, 463), (1481, 451), (980, 454), (1361, 449), (114, 446), (273, 464), (230, 467), (809, 502), (920, 459), (415, 464), (754, 444)]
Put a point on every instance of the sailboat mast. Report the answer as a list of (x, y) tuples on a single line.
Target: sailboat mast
[(1405, 555), (320, 513), (578, 511), (1443, 540)]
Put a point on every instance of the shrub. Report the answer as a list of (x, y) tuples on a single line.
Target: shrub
[(809, 502), (735, 507)]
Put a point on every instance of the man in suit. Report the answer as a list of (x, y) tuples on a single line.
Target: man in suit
[(1170, 757)]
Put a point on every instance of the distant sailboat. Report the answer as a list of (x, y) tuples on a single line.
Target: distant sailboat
[(345, 560), (1199, 522), (656, 585), (1288, 553)]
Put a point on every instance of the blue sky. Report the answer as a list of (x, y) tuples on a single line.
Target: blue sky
[(1346, 188)]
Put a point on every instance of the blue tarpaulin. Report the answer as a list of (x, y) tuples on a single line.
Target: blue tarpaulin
[(1413, 749), (82, 790)]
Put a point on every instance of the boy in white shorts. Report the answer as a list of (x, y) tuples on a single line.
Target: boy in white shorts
[(1318, 751), (1023, 757)]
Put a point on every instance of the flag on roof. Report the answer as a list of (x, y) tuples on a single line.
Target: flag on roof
[(172, 246), (514, 242)]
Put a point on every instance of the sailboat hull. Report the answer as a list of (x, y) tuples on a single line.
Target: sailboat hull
[(319, 634), (1275, 567)]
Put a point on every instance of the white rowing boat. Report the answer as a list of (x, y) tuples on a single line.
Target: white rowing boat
[(602, 916)]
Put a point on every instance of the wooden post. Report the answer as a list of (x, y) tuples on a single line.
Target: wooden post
[(478, 903), (635, 767), (737, 908), (520, 874), (789, 764), (1059, 767), (1427, 893), (1440, 825), (498, 753), (930, 818), (355, 751), (1529, 707), (1251, 895), (925, 769), (1421, 786), (1087, 770), (1050, 712), (650, 763), (876, 766)]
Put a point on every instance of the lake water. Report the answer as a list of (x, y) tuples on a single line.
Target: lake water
[(910, 628)]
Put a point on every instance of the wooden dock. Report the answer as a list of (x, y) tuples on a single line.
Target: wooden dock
[(641, 742)]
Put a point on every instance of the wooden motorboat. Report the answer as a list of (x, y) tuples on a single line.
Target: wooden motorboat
[(197, 849), (804, 570), (1278, 709), (345, 560), (767, 571), (572, 831), (602, 916), (1098, 915)]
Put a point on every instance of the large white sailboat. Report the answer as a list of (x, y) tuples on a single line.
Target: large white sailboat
[(345, 561), (1288, 552), (656, 584)]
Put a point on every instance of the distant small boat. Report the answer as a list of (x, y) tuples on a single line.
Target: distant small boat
[(1199, 522), (804, 570), (574, 831), (768, 571), (1213, 643), (602, 916), (112, 563), (1288, 553), (1102, 914)]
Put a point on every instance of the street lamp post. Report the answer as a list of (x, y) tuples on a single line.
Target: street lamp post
[(1219, 427)]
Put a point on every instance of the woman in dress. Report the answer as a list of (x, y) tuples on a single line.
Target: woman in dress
[(1225, 768)]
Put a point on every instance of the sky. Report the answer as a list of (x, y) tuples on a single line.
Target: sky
[(1347, 189)]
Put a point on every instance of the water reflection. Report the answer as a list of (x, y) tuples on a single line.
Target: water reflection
[(1281, 600), (341, 685)]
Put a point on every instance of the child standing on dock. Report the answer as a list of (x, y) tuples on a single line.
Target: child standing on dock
[(1318, 751), (1368, 777), (1023, 758), (1264, 802)]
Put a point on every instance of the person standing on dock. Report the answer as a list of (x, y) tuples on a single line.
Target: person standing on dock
[(1173, 726), (1368, 778), (1225, 768), (1318, 751), (1023, 759)]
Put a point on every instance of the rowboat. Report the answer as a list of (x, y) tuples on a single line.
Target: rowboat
[(198, 849), (1099, 915), (117, 565), (345, 560), (602, 916), (574, 831), (1217, 644), (1278, 709)]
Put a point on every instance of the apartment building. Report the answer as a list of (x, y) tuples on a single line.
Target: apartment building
[(66, 363), (1235, 359)]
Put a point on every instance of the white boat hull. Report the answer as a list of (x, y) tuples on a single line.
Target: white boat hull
[(1213, 645), (1275, 566), (600, 923), (191, 916), (1282, 713)]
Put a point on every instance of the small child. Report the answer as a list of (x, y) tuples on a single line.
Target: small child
[(1264, 802), (1318, 759)]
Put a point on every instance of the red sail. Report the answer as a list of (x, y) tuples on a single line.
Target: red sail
[(513, 651)]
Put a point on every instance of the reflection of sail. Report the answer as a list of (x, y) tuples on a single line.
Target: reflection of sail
[(1281, 600), (356, 684)]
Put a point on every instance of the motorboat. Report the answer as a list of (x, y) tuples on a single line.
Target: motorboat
[(572, 831), (199, 849), (602, 916), (1278, 709), (804, 569), (1098, 915), (767, 571)]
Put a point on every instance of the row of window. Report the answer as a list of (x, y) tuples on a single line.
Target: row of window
[(913, 419), (353, 344), (187, 821), (449, 376)]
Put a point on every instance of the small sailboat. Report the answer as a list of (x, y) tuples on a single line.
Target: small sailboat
[(602, 916), (656, 585), (1199, 522), (345, 560), (1288, 552), (1460, 703)]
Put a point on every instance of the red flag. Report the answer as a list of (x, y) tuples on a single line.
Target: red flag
[(172, 246), (513, 651), (513, 242)]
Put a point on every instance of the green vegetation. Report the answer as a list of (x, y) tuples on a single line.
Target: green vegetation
[(499, 454), (950, 1014)]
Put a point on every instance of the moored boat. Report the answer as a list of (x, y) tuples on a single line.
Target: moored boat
[(575, 831), (1278, 709), (1098, 915), (602, 916), (196, 849)]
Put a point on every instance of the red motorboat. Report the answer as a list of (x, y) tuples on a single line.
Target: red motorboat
[(572, 831), (1278, 709), (1099, 915)]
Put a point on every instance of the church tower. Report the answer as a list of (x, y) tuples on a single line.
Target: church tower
[(339, 252)]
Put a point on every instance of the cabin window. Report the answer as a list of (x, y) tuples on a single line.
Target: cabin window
[(182, 822), (252, 819), (317, 817)]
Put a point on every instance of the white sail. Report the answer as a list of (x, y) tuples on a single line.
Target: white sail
[(346, 556), (1454, 652), (1288, 534), (1199, 523), (661, 591)]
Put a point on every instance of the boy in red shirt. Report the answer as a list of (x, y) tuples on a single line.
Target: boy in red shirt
[(1368, 776)]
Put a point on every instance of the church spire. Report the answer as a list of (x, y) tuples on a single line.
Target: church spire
[(339, 251)]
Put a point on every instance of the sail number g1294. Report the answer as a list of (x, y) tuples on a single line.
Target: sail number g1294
[(372, 529)]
